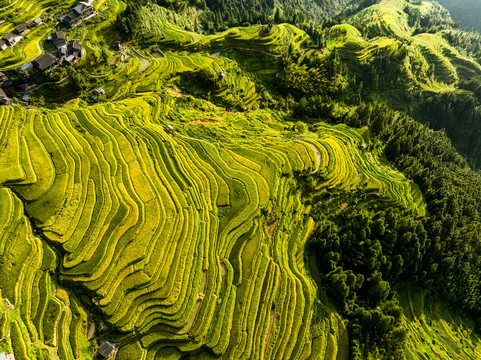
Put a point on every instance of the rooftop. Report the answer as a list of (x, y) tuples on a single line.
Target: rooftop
[(81, 7), (26, 66), (59, 35), (45, 61), (5, 356), (74, 45), (107, 349), (21, 27)]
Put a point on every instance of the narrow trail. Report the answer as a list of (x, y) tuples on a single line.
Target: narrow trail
[(6, 7), (318, 155)]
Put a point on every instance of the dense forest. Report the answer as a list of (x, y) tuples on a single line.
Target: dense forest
[(218, 15), (364, 254)]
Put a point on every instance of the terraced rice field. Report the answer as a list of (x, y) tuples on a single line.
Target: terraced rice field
[(160, 29), (433, 328), (389, 22), (133, 77), (178, 241), (38, 319)]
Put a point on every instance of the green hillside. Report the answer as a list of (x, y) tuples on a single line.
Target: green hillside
[(467, 12), (253, 192), (166, 232)]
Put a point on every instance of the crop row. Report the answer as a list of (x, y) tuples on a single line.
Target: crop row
[(178, 240), (37, 316), (347, 167)]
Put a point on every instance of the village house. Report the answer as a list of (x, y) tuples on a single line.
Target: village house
[(26, 66), (22, 28), (58, 39), (69, 60), (27, 87), (10, 39), (4, 99), (38, 21), (98, 92), (3, 45), (106, 350), (45, 62), (74, 48), (79, 13)]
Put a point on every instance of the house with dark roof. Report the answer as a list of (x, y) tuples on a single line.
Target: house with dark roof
[(58, 39), (21, 28), (79, 13), (4, 99), (3, 45), (9, 38), (106, 350), (74, 48), (45, 62)]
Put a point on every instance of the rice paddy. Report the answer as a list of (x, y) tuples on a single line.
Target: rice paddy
[(187, 242), (179, 240)]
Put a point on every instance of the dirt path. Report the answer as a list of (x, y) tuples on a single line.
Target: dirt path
[(189, 324), (272, 318), (6, 7), (318, 155)]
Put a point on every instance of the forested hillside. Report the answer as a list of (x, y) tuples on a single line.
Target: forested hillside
[(467, 12), (242, 180)]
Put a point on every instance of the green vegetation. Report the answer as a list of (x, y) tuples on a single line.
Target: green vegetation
[(110, 167), (466, 12), (257, 191)]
